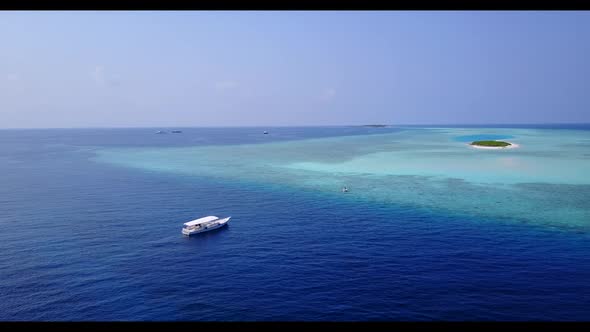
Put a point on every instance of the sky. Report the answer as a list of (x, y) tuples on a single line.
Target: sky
[(292, 68)]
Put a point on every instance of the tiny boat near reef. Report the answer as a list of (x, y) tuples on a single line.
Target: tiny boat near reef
[(204, 224)]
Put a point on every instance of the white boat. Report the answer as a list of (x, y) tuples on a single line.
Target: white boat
[(204, 224)]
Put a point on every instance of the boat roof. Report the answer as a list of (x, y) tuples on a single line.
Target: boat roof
[(200, 220)]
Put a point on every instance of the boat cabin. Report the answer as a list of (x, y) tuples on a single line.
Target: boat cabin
[(198, 223)]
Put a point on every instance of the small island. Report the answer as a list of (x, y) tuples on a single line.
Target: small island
[(375, 125), (493, 145)]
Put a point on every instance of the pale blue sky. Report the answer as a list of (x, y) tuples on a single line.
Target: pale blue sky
[(129, 69)]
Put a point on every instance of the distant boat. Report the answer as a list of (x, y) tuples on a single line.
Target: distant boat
[(344, 189), (204, 224), (177, 131), (265, 132), (160, 132)]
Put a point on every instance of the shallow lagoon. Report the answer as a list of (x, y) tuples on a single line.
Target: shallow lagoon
[(543, 182)]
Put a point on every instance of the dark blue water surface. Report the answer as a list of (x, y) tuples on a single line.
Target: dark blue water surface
[(82, 240)]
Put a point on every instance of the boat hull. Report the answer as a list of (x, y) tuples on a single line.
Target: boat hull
[(213, 226)]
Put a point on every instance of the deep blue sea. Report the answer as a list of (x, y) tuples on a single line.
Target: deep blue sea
[(83, 240)]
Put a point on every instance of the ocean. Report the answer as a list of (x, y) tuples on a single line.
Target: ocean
[(431, 228)]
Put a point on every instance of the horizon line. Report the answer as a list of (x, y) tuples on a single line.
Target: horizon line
[(304, 126)]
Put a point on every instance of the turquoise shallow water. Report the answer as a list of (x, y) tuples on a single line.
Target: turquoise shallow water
[(544, 182), (484, 137)]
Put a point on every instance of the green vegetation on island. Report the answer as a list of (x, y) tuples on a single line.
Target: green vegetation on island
[(491, 143)]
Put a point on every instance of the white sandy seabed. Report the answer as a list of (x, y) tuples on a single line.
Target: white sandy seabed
[(511, 146)]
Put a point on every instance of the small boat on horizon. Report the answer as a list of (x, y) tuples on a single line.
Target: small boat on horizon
[(265, 132), (160, 132), (204, 224)]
